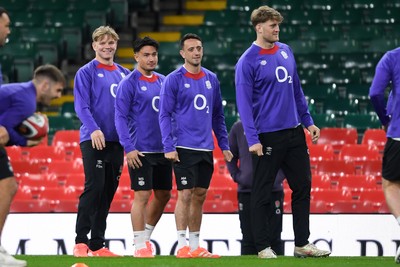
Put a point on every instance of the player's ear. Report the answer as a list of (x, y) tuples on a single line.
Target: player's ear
[(136, 56), (182, 53)]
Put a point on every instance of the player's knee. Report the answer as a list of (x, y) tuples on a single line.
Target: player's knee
[(10, 186), (163, 195)]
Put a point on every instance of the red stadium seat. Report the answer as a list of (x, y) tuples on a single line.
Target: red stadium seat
[(359, 152), (320, 152), (61, 170), (31, 206), (222, 182), (125, 180), (384, 209), (37, 183), (353, 207), (335, 168), (73, 154), (121, 205), (338, 137), (76, 181), (45, 154), (217, 153), (170, 207), (375, 196), (319, 206), (330, 195), (321, 181), (371, 167), (66, 138), (124, 192), (219, 206), (61, 199), (23, 195), (21, 168), (375, 137), (220, 167), (14, 153), (69, 140), (356, 184)]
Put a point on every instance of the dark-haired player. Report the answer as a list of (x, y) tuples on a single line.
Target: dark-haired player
[(18, 101), (191, 98), (136, 119)]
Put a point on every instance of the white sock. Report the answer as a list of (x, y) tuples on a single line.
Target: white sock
[(398, 219), (138, 239), (148, 230), (181, 238), (194, 240)]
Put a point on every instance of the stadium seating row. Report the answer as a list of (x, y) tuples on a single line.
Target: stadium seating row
[(343, 201)]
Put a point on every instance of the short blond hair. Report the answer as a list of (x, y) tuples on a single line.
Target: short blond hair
[(263, 14), (102, 31)]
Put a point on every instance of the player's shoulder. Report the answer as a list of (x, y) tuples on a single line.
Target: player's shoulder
[(175, 74), (12, 88), (208, 72), (282, 45), (87, 68), (122, 68), (394, 52), (159, 75)]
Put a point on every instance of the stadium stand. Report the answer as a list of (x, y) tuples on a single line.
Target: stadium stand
[(337, 45)]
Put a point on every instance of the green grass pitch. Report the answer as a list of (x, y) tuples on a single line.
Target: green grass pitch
[(226, 261)]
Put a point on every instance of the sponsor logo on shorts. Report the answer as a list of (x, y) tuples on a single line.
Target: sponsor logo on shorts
[(184, 180), (141, 181)]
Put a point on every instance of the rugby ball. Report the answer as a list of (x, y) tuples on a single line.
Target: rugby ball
[(34, 127)]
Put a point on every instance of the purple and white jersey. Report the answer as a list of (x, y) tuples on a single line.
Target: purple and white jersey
[(194, 102), (94, 97), (268, 91), (387, 70), (17, 102), (1, 77), (137, 110)]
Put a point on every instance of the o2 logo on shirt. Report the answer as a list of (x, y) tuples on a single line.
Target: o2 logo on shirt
[(200, 103), (155, 103), (282, 76), (113, 89)]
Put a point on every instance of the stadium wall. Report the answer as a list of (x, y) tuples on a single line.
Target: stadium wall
[(344, 235)]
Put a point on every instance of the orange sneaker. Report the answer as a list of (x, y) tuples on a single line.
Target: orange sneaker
[(150, 246), (103, 252), (203, 253), (184, 252), (81, 250), (143, 253)]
